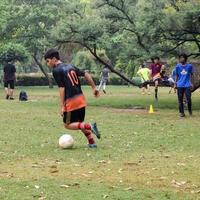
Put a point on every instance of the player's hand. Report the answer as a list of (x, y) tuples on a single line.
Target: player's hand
[(96, 92), (62, 111), (175, 85)]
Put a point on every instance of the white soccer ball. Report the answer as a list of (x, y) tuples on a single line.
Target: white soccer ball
[(66, 141)]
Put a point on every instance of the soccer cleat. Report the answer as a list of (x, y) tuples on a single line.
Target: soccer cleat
[(7, 96), (95, 130), (92, 145), (104, 91), (182, 115)]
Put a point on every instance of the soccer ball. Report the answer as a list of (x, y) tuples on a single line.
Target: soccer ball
[(66, 141)]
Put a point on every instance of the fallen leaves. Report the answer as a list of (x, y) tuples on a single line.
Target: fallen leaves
[(181, 164), (131, 163), (37, 186), (105, 196), (70, 185), (64, 186), (178, 183), (195, 192), (128, 189)]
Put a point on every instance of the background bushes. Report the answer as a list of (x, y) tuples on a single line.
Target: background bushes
[(36, 79)]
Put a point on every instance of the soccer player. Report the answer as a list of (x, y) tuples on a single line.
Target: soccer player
[(72, 100), (144, 73), (184, 72), (156, 70), (9, 80), (104, 79)]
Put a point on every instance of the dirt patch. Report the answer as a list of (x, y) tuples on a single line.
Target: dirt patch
[(134, 110)]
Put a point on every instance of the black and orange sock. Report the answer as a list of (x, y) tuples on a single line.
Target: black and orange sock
[(89, 136), (84, 126)]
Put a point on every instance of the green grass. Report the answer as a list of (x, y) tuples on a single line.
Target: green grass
[(141, 156)]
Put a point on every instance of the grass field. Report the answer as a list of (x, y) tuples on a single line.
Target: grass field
[(141, 156)]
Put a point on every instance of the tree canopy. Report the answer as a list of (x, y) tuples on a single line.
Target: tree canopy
[(127, 31)]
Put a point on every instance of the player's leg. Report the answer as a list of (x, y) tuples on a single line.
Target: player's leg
[(148, 89), (143, 90), (189, 101), (84, 126), (175, 89), (104, 86), (156, 89), (70, 121), (100, 85), (88, 135), (75, 121), (12, 86), (180, 101), (6, 89), (170, 91)]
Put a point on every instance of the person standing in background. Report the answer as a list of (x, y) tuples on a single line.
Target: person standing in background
[(184, 72), (156, 72), (104, 79), (9, 80), (144, 73)]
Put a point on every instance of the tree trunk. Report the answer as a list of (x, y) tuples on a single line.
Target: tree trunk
[(50, 81), (195, 86)]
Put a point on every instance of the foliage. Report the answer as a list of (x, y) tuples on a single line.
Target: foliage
[(128, 31), (84, 60), (13, 52), (38, 79)]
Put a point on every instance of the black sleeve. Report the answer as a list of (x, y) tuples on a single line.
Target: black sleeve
[(59, 78), (14, 69), (79, 72)]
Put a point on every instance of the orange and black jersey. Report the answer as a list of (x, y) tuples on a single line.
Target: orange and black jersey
[(67, 76)]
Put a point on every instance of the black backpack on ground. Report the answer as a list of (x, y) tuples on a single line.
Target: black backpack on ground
[(23, 96)]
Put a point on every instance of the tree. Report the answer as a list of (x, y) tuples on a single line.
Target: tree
[(13, 52), (30, 23), (88, 29)]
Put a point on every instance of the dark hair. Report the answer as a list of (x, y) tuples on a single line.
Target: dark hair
[(156, 58), (183, 55), (52, 53)]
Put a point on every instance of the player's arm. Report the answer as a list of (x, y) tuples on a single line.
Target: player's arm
[(162, 68), (151, 73), (58, 76), (191, 75), (90, 81), (62, 99), (176, 77)]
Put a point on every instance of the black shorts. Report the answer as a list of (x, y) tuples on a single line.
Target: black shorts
[(145, 84), (74, 116), (10, 83)]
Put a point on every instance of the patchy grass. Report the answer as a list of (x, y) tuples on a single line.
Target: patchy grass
[(140, 156)]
